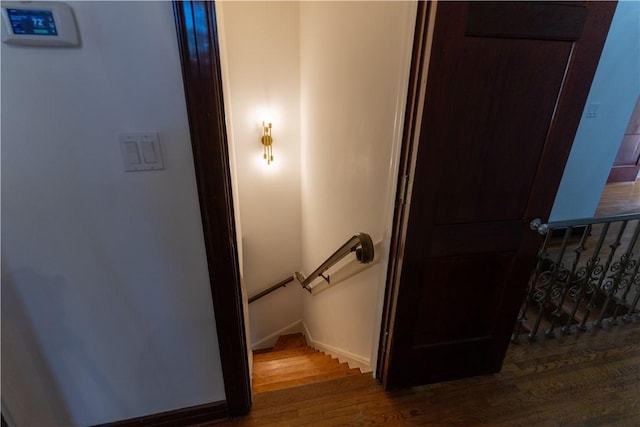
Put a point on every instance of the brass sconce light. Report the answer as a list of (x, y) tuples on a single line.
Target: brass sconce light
[(267, 141)]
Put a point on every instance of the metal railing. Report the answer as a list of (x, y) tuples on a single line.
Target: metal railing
[(280, 284), (361, 244), (587, 274)]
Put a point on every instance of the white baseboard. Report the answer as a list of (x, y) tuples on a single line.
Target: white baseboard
[(354, 360), (270, 340)]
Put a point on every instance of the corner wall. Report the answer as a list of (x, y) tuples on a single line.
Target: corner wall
[(354, 64), (106, 269), (615, 87), (261, 40)]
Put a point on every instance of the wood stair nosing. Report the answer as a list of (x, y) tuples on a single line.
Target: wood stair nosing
[(306, 380), (282, 354), (302, 373), (292, 360), (275, 369)]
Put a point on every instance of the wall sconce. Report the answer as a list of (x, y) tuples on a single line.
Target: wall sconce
[(267, 141)]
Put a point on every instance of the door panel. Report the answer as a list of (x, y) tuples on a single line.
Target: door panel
[(508, 127), (505, 90), (459, 292)]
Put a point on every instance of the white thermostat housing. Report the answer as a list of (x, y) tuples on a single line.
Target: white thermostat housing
[(38, 23)]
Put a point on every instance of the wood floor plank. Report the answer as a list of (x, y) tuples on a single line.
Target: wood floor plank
[(561, 382), (619, 198)]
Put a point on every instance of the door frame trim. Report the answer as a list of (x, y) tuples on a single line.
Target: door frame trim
[(425, 15), (200, 59)]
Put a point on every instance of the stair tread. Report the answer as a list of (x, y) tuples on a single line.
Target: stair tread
[(282, 354), (284, 366), (284, 342), (307, 380), (301, 373), (291, 363)]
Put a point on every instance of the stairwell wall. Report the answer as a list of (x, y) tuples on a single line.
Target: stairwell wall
[(352, 88), (261, 61)]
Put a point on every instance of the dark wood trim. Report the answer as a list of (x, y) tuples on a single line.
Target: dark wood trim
[(207, 413), (504, 19), (409, 145), (200, 58)]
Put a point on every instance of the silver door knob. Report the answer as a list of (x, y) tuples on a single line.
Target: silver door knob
[(539, 226)]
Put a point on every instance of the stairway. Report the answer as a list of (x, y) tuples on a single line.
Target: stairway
[(292, 363)]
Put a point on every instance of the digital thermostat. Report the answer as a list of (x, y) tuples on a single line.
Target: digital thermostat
[(38, 23)]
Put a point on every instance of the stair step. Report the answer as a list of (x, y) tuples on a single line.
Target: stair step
[(283, 354), (292, 363), (290, 341), (307, 380), (301, 373), (262, 350), (274, 367)]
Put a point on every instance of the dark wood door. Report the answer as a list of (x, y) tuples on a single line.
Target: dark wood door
[(487, 143), (627, 162)]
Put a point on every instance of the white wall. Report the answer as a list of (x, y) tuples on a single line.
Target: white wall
[(615, 87), (354, 66), (261, 40), (106, 270)]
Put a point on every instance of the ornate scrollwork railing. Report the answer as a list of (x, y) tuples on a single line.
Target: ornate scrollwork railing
[(587, 274)]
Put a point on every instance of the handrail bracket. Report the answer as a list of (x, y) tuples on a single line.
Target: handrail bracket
[(361, 244)]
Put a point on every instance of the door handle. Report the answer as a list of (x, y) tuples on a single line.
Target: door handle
[(539, 226)]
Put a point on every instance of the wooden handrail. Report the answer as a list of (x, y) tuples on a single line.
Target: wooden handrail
[(361, 244), (270, 289)]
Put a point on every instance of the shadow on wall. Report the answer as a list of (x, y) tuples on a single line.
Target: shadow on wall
[(30, 393)]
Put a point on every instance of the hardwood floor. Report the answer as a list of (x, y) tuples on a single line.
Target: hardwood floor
[(590, 380), (620, 198), (576, 380)]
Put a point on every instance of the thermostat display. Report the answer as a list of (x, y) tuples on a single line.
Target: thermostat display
[(35, 22), (38, 23)]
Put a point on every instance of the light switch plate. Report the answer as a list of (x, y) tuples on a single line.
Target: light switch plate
[(592, 110), (141, 151)]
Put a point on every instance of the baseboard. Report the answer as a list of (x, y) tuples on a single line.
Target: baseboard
[(270, 340), (207, 413), (354, 360)]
